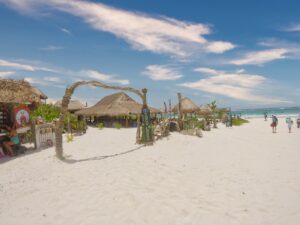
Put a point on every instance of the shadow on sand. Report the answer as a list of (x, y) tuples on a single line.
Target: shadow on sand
[(71, 161), (28, 152)]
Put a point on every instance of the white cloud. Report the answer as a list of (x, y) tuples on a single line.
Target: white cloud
[(14, 65), (46, 81), (293, 28), (219, 46), (22, 66), (65, 30), (102, 77), (234, 85), (207, 71), (261, 57), (143, 32), (6, 73), (52, 48), (162, 72), (53, 79)]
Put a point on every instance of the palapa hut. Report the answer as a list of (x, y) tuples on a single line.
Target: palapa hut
[(118, 107), (18, 91), (17, 98), (187, 106), (73, 106)]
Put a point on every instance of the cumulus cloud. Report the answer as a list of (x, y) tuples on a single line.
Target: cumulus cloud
[(102, 77), (239, 86), (143, 32), (261, 57), (162, 72), (4, 74)]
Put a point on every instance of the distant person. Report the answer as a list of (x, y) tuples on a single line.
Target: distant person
[(298, 122), (290, 123), (274, 123), (266, 116)]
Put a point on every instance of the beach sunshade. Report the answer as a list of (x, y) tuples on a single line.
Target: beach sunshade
[(187, 106), (18, 91), (115, 105), (205, 109)]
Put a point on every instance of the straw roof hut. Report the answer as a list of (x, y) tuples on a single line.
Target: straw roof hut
[(73, 106), (17, 91), (187, 106), (114, 105)]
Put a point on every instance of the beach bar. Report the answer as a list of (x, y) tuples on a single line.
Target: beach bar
[(17, 99), (118, 108)]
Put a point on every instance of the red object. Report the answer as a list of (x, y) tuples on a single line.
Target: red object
[(21, 116)]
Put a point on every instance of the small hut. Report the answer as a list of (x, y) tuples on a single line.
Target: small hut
[(73, 106), (18, 91), (17, 98), (187, 106), (118, 107)]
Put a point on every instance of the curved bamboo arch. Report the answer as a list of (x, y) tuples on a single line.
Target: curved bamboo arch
[(66, 100)]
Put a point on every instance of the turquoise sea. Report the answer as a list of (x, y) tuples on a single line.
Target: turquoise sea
[(280, 112)]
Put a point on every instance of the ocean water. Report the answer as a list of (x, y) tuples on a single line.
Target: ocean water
[(259, 113)]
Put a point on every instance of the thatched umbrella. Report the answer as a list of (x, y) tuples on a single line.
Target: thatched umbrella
[(17, 91), (187, 106), (73, 106), (205, 110), (115, 105)]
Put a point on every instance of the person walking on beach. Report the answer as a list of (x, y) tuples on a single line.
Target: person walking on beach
[(266, 116), (298, 122), (290, 123), (274, 123)]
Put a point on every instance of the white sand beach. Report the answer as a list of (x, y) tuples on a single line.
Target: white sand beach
[(232, 176)]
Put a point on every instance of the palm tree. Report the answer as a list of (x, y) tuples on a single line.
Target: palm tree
[(213, 107)]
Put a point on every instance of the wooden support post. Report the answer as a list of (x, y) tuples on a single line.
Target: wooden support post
[(180, 114)]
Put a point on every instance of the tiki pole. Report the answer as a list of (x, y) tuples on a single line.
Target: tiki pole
[(180, 114), (147, 134)]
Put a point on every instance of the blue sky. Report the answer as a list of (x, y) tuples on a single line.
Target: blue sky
[(243, 54)]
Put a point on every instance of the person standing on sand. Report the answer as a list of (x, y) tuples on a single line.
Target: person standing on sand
[(290, 123), (274, 123), (266, 116), (298, 122)]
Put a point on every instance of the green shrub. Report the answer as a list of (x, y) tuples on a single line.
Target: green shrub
[(239, 121), (100, 126), (47, 112), (118, 125)]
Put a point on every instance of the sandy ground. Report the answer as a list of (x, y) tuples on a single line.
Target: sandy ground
[(242, 175)]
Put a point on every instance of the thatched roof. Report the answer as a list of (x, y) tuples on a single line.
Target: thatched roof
[(114, 105), (40, 93), (187, 106), (17, 91), (73, 106), (205, 109)]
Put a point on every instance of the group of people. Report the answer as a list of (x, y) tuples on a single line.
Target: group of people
[(289, 121)]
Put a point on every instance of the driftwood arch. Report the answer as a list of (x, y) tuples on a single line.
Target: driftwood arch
[(66, 100)]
